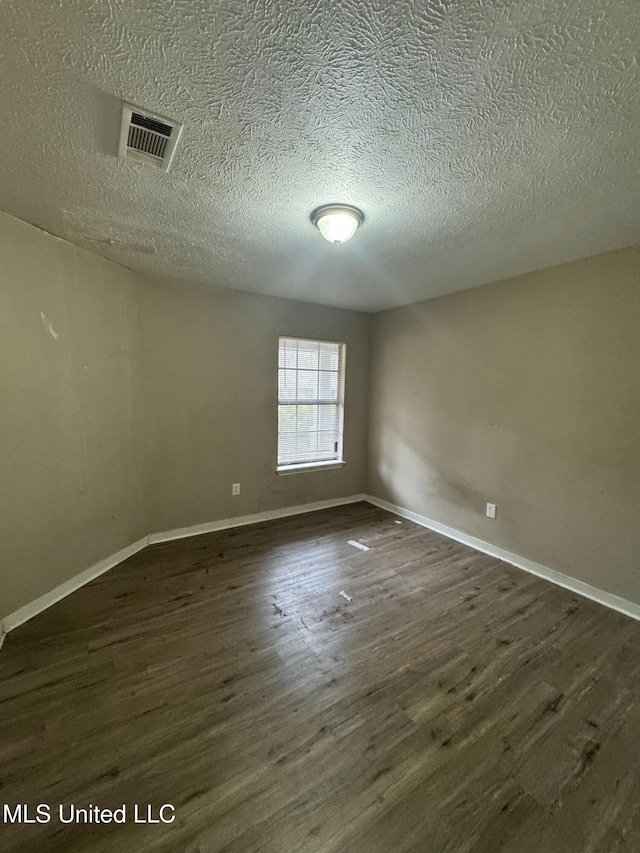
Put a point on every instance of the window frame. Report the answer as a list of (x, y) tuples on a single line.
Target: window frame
[(322, 464)]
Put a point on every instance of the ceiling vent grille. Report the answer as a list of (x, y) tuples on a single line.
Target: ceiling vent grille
[(148, 137)]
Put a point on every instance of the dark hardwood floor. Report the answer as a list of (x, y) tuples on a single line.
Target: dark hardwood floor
[(455, 704)]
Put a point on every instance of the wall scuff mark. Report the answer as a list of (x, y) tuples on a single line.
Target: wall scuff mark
[(49, 326)]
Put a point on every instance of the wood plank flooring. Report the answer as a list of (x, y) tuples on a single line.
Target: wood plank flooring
[(455, 704)]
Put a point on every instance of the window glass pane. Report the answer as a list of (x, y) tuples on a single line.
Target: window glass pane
[(328, 385), (307, 418), (327, 441), (307, 384), (288, 353), (286, 418), (287, 384), (308, 354), (328, 417), (287, 448), (306, 444), (329, 356)]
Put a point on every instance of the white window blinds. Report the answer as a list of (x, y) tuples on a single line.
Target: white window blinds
[(310, 401)]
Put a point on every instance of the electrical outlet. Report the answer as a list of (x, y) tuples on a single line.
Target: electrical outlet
[(491, 510), (235, 489)]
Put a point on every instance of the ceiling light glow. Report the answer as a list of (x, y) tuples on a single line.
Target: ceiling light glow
[(337, 222)]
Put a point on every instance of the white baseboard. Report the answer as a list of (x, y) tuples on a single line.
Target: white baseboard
[(34, 607), (622, 605), (27, 612), (241, 520), (18, 617)]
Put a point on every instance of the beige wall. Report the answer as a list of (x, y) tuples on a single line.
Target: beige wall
[(70, 473), (525, 393), (210, 402)]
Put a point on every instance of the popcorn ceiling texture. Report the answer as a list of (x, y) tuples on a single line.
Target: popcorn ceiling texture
[(481, 139)]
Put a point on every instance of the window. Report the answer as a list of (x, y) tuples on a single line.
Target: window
[(310, 403)]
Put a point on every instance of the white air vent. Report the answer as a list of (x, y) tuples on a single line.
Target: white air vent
[(148, 137)]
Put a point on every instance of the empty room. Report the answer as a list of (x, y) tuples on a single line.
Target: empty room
[(320, 430)]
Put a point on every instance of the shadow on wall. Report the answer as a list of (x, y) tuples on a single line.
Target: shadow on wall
[(432, 444), (424, 483), (480, 398)]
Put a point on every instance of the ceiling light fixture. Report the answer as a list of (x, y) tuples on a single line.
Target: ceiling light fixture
[(337, 222)]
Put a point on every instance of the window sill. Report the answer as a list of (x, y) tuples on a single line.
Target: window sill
[(310, 466)]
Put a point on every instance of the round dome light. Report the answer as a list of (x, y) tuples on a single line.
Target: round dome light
[(337, 222)]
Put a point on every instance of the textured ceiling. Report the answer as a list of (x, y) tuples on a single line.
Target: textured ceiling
[(481, 138)]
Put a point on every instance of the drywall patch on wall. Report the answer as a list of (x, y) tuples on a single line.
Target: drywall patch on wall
[(70, 456), (49, 326)]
